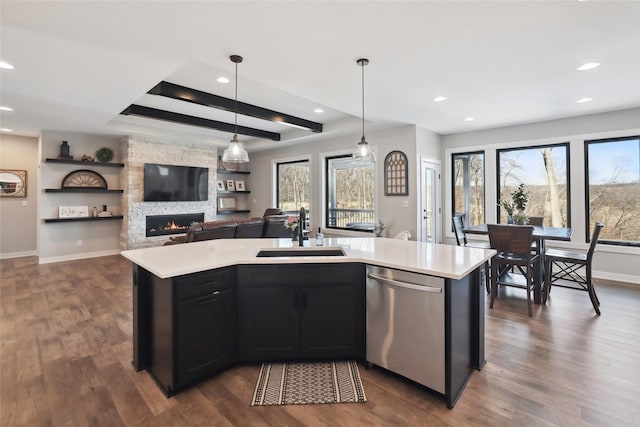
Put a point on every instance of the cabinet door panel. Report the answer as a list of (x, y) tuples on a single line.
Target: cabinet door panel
[(206, 335), (332, 321), (269, 326)]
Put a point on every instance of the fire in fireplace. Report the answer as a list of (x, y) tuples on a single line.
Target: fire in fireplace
[(160, 225)]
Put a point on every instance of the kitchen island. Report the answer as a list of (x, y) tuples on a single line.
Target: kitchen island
[(202, 307)]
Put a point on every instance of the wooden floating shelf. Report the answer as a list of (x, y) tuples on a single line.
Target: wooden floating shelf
[(106, 218), (226, 172), (232, 211), (81, 190), (82, 162)]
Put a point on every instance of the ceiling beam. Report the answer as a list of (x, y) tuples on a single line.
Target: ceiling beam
[(183, 93), (169, 116)]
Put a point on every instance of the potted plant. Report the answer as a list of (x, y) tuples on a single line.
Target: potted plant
[(520, 199), (292, 224), (508, 207), (378, 228)]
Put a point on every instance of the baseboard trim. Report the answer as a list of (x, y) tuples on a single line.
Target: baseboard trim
[(18, 254), (616, 277), (78, 256)]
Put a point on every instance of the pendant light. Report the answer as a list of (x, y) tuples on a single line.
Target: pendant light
[(364, 153), (236, 152)]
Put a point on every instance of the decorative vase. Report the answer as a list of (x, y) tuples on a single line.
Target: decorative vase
[(509, 219), (294, 235), (64, 151)]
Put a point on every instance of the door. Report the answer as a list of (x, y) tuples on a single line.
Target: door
[(430, 202)]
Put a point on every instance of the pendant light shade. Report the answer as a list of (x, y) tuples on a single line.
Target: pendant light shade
[(364, 153), (236, 152)]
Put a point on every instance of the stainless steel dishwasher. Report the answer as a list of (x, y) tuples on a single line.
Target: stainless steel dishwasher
[(406, 325)]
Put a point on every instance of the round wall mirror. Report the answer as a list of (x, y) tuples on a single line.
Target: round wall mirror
[(13, 183)]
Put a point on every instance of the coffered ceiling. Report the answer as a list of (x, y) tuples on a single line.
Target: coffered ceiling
[(78, 65)]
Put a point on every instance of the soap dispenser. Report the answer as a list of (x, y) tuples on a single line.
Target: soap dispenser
[(319, 238)]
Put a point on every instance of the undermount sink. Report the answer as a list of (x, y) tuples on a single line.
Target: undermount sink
[(300, 251)]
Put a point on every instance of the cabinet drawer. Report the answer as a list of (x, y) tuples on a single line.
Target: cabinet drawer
[(201, 284), (296, 274)]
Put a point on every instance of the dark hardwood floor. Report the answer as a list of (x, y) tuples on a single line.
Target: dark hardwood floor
[(65, 357)]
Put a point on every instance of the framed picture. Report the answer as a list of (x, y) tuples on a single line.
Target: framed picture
[(73, 211), (231, 185), (221, 185), (226, 203), (240, 186), (13, 183)]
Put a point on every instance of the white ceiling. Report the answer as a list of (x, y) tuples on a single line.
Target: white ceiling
[(79, 64)]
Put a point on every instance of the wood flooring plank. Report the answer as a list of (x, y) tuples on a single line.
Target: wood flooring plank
[(66, 350)]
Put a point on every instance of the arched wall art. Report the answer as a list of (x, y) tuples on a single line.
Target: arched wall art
[(396, 174)]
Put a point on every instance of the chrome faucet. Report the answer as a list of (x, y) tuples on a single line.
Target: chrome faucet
[(303, 220)]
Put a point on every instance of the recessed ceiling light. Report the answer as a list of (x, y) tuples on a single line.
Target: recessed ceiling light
[(469, 119), (582, 100), (6, 130), (318, 110), (6, 65), (588, 66), (3, 108), (222, 79), (440, 98)]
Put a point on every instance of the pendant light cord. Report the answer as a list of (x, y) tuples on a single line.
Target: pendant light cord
[(362, 66), (235, 107)]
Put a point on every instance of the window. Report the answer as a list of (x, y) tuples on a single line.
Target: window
[(612, 176), (544, 171), (292, 192), (468, 187), (350, 194)]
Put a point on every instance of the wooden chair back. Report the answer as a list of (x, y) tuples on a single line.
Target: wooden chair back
[(511, 239), (536, 220), (458, 227), (594, 240)]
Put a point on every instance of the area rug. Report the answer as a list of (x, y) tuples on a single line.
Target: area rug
[(308, 383)]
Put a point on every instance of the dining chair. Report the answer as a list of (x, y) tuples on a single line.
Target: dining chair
[(513, 246), (539, 221), (536, 220), (461, 236), (573, 269), (461, 239)]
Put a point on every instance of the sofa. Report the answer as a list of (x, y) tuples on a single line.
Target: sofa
[(270, 225)]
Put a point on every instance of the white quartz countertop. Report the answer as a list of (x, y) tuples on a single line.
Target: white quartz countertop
[(448, 261)]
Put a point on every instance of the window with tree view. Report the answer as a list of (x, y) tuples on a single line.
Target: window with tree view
[(544, 172), (293, 186), (613, 188), (468, 187), (350, 194)]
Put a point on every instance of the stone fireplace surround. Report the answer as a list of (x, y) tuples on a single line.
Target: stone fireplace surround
[(136, 151)]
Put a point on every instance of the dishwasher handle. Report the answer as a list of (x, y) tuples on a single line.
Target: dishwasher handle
[(400, 284)]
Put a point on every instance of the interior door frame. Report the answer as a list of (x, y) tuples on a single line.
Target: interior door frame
[(425, 165)]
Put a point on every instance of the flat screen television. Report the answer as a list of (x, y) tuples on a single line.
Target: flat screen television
[(170, 183)]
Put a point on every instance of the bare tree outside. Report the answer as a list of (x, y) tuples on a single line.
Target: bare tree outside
[(613, 190), (543, 171), (350, 194), (293, 186), (468, 178)]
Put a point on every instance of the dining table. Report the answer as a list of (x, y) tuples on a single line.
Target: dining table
[(540, 235)]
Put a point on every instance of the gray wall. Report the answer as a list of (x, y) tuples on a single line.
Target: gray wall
[(66, 241), (18, 216), (389, 208), (611, 261)]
